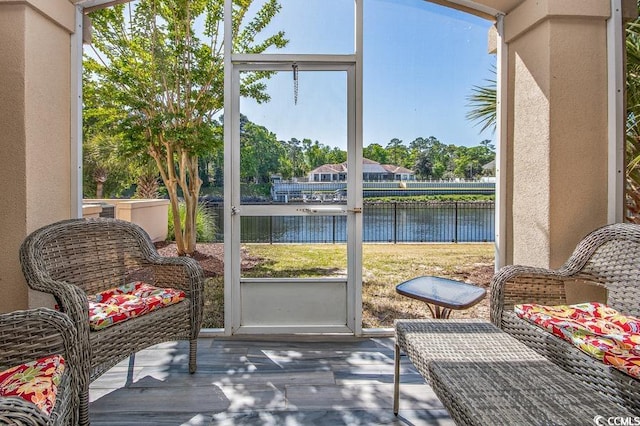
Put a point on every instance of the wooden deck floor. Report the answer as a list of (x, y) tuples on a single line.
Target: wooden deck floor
[(342, 381)]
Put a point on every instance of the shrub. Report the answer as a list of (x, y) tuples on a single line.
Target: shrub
[(205, 224)]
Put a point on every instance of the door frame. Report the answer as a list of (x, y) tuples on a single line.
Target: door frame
[(231, 273), (235, 283)]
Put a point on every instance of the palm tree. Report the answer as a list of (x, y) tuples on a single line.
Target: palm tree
[(482, 102)]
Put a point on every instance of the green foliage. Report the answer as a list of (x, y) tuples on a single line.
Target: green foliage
[(159, 81), (103, 155), (261, 190), (633, 121), (398, 154), (376, 152), (316, 154), (293, 165), (205, 223), (104, 167), (260, 153), (483, 104)]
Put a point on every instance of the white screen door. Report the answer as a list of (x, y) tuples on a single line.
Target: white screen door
[(318, 213)]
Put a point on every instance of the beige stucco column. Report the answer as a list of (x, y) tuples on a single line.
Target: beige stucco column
[(556, 150), (35, 129)]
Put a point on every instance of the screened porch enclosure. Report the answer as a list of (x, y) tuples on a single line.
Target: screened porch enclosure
[(327, 93)]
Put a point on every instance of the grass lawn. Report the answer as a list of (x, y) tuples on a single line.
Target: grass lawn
[(384, 266)]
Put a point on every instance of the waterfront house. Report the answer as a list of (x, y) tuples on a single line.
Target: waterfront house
[(371, 171)]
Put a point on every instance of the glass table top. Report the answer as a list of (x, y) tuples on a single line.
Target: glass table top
[(442, 291)]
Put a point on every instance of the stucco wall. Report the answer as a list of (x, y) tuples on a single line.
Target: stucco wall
[(557, 153), (529, 65), (12, 135), (48, 117), (34, 131), (578, 155)]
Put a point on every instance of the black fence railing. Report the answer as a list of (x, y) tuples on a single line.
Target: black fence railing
[(400, 222)]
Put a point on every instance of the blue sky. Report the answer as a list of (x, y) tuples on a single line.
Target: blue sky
[(420, 62)]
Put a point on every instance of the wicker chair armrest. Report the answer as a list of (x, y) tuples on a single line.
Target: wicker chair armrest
[(182, 273), (179, 272), (517, 284), (71, 299), (186, 274), (31, 334), (17, 411)]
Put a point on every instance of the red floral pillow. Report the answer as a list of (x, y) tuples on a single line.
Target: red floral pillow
[(595, 328), (35, 381), (129, 301)]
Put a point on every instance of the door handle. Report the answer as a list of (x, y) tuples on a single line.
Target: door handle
[(323, 210), (330, 210)]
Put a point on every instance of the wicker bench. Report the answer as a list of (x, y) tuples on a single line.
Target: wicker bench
[(485, 376)]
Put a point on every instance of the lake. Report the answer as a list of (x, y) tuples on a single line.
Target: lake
[(382, 222)]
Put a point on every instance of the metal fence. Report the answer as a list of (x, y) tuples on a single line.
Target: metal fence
[(400, 222)]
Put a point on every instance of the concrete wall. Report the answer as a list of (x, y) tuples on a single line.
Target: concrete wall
[(34, 129), (150, 215), (91, 210)]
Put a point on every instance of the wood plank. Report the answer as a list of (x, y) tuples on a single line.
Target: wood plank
[(264, 381), (361, 396)]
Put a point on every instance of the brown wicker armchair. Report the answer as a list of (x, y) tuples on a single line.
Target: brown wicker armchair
[(607, 257), (75, 258), (29, 335)]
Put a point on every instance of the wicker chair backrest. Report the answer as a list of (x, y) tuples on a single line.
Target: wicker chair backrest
[(94, 254), (611, 256)]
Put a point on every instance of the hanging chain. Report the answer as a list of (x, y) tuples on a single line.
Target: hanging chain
[(295, 83)]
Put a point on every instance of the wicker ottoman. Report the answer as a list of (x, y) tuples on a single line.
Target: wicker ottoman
[(486, 377)]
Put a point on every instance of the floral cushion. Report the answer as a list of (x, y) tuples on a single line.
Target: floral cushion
[(129, 301), (36, 381), (595, 328)]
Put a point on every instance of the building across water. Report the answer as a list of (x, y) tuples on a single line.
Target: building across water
[(371, 171), (285, 192)]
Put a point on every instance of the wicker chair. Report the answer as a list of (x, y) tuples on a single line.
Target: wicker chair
[(28, 335), (78, 257), (607, 257)]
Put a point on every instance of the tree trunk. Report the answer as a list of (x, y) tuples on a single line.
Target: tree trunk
[(189, 181), (177, 228), (166, 166), (191, 189)]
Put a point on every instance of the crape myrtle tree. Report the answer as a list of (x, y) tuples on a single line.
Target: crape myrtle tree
[(159, 64)]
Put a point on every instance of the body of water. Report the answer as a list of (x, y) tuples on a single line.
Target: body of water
[(382, 222)]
